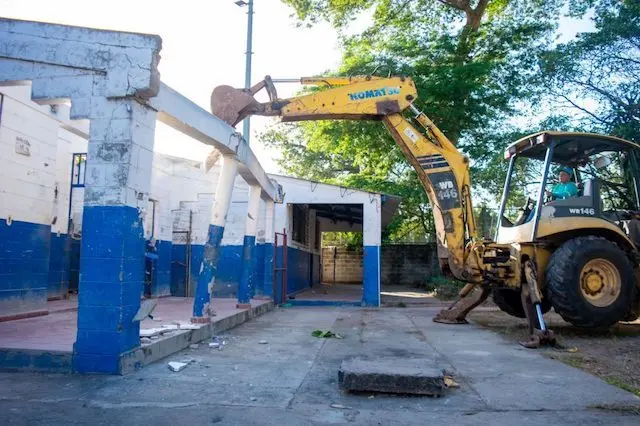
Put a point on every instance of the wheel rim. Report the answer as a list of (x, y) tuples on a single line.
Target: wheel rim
[(600, 282)]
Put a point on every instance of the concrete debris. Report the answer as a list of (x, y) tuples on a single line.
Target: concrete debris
[(339, 406), (263, 342), (194, 346), (253, 398), (393, 375), (214, 345), (146, 308), (176, 366)]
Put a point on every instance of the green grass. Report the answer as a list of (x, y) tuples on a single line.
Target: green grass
[(622, 385)]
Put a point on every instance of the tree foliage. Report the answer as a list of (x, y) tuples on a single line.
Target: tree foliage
[(477, 66), (597, 76)]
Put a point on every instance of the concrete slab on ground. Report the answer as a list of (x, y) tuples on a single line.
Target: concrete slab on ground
[(417, 376), (293, 379)]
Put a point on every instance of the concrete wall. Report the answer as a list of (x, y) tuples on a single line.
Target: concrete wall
[(348, 265), (405, 265), (27, 186)]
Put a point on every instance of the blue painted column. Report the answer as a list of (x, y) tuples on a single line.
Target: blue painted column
[(245, 288), (371, 229), (269, 230), (202, 310), (118, 178)]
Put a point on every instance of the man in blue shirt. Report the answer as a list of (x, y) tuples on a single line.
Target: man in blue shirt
[(565, 188)]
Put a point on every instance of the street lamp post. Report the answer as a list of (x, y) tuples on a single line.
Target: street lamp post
[(246, 125)]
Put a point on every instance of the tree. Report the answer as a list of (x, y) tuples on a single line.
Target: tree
[(596, 78), (472, 62)]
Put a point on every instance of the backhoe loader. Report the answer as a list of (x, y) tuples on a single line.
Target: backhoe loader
[(578, 255)]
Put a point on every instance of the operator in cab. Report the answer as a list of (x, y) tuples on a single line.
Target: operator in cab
[(565, 188)]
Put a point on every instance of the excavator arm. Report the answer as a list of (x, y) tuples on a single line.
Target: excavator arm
[(441, 168)]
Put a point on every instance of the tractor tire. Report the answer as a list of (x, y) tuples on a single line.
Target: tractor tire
[(634, 311), (590, 282), (508, 300)]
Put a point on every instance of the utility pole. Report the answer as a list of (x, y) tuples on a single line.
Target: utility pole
[(246, 125)]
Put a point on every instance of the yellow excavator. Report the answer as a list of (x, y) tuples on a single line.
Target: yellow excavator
[(577, 253)]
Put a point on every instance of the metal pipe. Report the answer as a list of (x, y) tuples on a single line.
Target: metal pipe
[(505, 192), (246, 126), (543, 327), (547, 164)]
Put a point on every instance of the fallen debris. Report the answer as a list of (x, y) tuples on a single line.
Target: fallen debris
[(253, 398), (263, 342), (214, 345), (325, 334), (339, 406), (176, 366), (194, 346), (394, 375)]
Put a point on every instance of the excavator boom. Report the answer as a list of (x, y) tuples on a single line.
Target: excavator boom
[(441, 168)]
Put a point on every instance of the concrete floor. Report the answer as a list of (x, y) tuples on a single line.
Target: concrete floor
[(57, 331), (293, 379), (332, 292)]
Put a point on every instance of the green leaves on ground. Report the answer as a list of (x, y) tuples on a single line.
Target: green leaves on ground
[(325, 334)]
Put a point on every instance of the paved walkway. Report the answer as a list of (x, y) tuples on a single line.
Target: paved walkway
[(293, 379)]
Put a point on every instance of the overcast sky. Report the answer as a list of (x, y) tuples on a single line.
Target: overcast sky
[(203, 45)]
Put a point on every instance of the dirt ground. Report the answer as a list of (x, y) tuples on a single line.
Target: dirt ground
[(611, 354)]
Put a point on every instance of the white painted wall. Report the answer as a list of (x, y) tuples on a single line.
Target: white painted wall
[(28, 140), (178, 185)]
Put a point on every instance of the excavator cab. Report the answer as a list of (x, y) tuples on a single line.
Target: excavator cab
[(602, 170), (581, 245)]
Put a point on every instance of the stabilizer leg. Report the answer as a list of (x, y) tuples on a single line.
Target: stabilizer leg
[(539, 334), (457, 312)]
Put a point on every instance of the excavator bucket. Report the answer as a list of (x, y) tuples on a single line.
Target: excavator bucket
[(232, 105)]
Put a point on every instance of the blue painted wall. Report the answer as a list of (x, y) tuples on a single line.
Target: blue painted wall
[(263, 274), (161, 282), (298, 270), (178, 285), (299, 274), (59, 266), (74, 263), (24, 266), (229, 271)]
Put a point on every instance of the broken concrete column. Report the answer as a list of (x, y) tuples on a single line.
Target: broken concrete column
[(245, 290), (118, 178), (224, 190)]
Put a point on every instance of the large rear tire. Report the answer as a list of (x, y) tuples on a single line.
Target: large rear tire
[(509, 302), (590, 282)]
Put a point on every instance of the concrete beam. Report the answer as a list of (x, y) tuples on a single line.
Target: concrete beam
[(182, 114)]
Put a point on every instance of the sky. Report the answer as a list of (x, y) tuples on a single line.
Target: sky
[(203, 46)]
